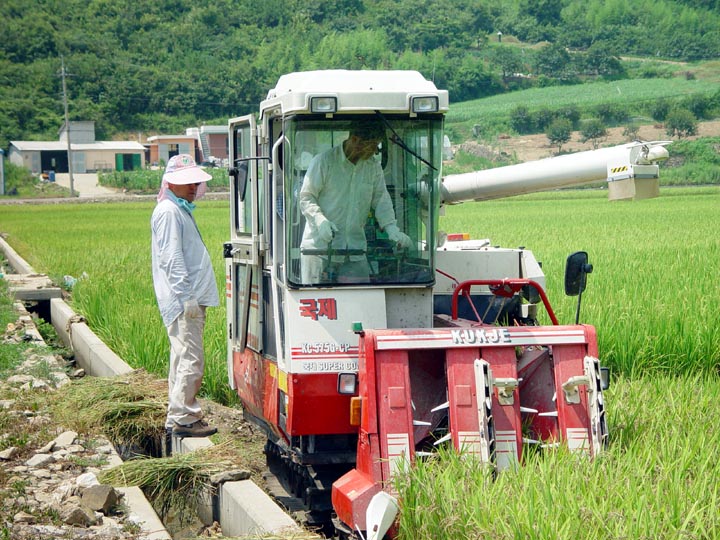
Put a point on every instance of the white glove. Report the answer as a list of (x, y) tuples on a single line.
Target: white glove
[(326, 230), (192, 310), (400, 238)]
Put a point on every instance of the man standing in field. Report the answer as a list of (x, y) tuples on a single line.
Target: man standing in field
[(184, 286)]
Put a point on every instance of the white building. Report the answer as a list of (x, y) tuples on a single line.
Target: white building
[(88, 155)]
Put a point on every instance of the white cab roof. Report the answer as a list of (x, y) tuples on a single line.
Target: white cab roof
[(356, 91)]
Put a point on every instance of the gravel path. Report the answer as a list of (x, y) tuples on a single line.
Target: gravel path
[(48, 475)]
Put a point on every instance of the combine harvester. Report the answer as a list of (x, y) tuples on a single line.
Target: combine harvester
[(440, 344)]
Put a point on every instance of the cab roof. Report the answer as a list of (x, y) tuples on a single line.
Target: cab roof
[(356, 91)]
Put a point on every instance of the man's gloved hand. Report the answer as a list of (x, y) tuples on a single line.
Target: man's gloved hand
[(192, 310), (326, 230), (400, 238)]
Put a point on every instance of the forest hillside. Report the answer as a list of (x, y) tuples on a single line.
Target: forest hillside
[(154, 67)]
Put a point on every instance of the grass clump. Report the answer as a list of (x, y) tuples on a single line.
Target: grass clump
[(21, 183), (175, 482), (128, 409), (9, 352)]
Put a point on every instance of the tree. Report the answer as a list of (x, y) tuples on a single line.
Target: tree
[(545, 12), (680, 123), (559, 131), (521, 120), (631, 131), (698, 104), (601, 60), (554, 61), (508, 59), (594, 130)]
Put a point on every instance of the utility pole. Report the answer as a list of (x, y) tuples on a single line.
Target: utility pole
[(2, 172), (67, 127)]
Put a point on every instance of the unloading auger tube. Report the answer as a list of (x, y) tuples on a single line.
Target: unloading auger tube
[(631, 171)]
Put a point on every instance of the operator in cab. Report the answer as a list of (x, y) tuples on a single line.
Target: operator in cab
[(341, 187)]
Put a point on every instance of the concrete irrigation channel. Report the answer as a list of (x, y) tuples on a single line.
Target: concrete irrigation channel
[(240, 507)]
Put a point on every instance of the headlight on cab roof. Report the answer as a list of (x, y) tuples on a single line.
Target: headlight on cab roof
[(425, 104), (320, 104)]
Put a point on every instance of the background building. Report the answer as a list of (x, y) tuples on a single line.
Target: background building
[(88, 155)]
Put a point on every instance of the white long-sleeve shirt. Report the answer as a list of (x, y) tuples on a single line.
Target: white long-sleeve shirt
[(336, 190), (181, 265)]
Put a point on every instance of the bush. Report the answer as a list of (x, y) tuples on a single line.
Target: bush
[(148, 181), (680, 122), (521, 120), (16, 178), (699, 104), (660, 109), (631, 131), (559, 132), (571, 113), (593, 130), (542, 119), (612, 113), (20, 182)]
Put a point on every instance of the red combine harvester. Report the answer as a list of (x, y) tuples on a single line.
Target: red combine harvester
[(439, 343)]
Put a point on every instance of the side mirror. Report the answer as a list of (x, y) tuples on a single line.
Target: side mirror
[(576, 270)]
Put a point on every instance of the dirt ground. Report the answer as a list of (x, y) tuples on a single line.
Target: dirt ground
[(532, 147)]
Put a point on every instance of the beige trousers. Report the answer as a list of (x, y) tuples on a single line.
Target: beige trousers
[(187, 364)]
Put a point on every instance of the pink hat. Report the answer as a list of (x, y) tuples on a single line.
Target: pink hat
[(182, 169)]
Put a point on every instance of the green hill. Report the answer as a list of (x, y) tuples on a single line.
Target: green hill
[(161, 66)]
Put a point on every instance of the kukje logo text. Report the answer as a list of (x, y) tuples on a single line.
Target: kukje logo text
[(481, 336)]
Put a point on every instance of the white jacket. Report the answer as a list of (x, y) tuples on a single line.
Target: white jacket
[(336, 190), (181, 265)]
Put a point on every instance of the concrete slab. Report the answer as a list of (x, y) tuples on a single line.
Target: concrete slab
[(246, 509), (32, 287), (142, 513), (86, 185), (91, 353), (241, 508)]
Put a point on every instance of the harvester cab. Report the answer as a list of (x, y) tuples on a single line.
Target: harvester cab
[(436, 339)]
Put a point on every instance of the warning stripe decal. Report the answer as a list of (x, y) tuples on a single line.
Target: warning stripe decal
[(398, 448)]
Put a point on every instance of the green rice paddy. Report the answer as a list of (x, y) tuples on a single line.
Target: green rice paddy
[(653, 298)]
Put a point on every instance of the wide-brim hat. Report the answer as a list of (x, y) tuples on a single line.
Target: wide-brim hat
[(182, 169)]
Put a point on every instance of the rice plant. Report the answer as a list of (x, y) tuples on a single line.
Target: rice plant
[(655, 266), (650, 296), (658, 479)]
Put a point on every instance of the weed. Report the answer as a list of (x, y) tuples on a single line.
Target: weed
[(19, 487), (42, 370), (85, 462)]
